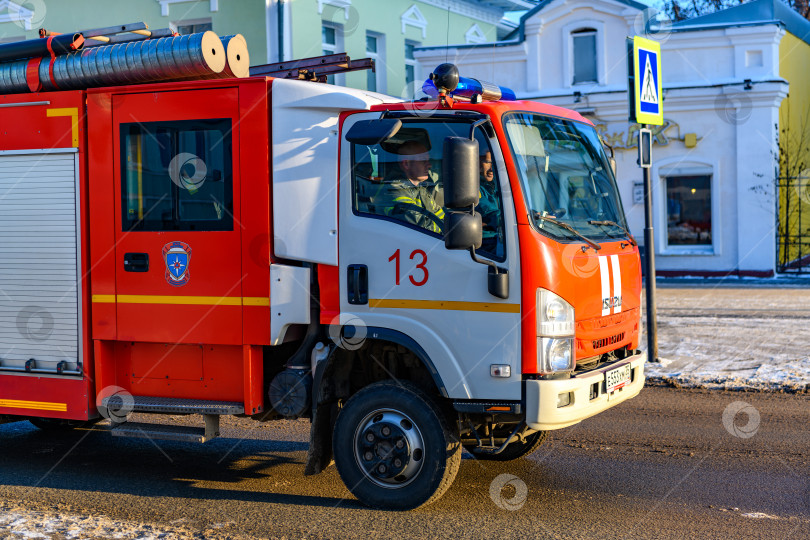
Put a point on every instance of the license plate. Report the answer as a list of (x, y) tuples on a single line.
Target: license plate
[(617, 378)]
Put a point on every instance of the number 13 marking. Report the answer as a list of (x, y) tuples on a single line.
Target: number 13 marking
[(420, 266)]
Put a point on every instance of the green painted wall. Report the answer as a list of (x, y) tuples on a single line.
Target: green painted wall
[(248, 17), (369, 16)]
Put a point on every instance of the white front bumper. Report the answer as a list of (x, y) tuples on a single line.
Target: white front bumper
[(541, 396)]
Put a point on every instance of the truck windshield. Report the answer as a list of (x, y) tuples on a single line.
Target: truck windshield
[(565, 176)]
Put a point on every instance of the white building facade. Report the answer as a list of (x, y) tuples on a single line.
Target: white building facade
[(716, 157)]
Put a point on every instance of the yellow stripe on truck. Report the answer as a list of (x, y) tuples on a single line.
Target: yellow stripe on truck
[(181, 300), (492, 307), (36, 405)]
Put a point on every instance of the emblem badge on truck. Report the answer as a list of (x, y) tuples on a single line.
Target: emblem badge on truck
[(177, 256)]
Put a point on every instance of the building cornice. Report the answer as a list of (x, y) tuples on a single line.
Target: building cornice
[(338, 4), (468, 9), (613, 101)]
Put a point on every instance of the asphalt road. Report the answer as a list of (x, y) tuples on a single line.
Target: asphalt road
[(664, 465)]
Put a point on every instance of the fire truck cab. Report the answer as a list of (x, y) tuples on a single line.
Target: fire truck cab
[(413, 277)]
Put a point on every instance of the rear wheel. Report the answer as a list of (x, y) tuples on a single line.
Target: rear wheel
[(514, 450), (394, 447)]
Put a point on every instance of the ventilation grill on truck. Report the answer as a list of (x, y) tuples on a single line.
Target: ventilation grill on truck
[(604, 342)]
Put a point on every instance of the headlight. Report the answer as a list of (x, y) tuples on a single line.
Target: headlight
[(555, 333), (555, 316), (555, 354)]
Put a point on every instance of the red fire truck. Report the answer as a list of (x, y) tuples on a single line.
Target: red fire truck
[(413, 277)]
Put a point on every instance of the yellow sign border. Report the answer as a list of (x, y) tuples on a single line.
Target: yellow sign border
[(655, 47)]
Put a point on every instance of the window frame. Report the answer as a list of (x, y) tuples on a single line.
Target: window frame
[(334, 48), (678, 166), (665, 181), (379, 62), (568, 33), (411, 62), (577, 35), (225, 224), (497, 166)]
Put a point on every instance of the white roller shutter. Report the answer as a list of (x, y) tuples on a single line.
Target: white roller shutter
[(39, 310)]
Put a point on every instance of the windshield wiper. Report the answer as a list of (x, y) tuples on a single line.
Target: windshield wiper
[(567, 227), (607, 222)]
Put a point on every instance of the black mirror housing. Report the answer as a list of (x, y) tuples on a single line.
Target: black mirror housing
[(462, 230), (460, 172), (370, 132), (498, 283)]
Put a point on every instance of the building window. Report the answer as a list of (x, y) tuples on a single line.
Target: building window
[(689, 210), (410, 65), (185, 28), (329, 39), (375, 49), (584, 45), (332, 43)]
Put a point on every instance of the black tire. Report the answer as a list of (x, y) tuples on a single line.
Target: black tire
[(420, 452), (57, 424), (515, 450)]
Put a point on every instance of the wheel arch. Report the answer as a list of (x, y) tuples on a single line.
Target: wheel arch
[(325, 395)]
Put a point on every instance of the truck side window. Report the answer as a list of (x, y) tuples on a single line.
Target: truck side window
[(177, 176), (399, 180)]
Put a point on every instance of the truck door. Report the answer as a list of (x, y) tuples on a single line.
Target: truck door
[(396, 275), (178, 269)]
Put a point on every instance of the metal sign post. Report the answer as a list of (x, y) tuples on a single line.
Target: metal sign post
[(646, 107)]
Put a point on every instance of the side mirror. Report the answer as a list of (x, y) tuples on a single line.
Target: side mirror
[(460, 172), (462, 230), (370, 132), (498, 282), (463, 226)]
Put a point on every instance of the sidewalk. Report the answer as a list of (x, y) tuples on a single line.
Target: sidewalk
[(754, 338)]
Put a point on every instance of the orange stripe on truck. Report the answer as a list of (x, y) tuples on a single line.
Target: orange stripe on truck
[(36, 405), (492, 307), (181, 300)]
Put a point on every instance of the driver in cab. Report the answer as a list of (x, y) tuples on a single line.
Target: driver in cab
[(412, 198)]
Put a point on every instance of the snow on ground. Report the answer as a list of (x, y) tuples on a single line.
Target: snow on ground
[(23, 523), (733, 339)]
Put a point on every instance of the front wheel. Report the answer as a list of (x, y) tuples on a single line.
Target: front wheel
[(394, 448)]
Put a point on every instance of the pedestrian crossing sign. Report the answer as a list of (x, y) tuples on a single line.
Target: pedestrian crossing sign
[(646, 85)]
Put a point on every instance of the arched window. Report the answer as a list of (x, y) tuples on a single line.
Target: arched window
[(584, 44)]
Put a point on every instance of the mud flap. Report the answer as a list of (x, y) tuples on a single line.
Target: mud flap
[(319, 455), (324, 414)]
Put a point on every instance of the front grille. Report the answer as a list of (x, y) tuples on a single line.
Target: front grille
[(604, 342)]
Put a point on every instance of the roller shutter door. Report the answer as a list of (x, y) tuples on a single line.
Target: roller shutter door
[(39, 310)]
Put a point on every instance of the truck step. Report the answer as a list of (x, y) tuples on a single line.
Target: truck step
[(148, 404), (161, 432)]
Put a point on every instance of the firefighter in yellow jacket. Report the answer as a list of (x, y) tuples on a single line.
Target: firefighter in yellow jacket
[(413, 198)]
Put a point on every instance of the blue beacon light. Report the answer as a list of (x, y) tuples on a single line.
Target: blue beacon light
[(467, 88)]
